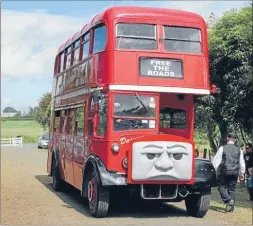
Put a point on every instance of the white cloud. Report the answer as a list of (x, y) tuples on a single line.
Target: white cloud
[(191, 6), (30, 41), (204, 8), (6, 101)]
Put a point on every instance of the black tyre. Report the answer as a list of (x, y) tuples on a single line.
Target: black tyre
[(56, 176), (98, 196), (197, 205)]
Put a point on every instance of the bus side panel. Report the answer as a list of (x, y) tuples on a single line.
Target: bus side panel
[(79, 156), (69, 159), (100, 149), (62, 144)]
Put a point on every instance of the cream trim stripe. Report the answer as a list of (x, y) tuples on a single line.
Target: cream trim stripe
[(159, 89)]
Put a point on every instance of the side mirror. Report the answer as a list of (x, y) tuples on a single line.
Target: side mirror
[(215, 89)]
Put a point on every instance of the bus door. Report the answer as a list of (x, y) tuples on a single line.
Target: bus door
[(69, 147)]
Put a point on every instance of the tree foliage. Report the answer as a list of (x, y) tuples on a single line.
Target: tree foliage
[(10, 110), (32, 111), (43, 111), (230, 52)]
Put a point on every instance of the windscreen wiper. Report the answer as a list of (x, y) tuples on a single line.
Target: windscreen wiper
[(137, 97)]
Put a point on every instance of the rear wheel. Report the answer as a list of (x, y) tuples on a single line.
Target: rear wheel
[(98, 196), (197, 205), (56, 176)]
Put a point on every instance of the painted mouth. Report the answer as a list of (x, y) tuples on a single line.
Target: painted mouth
[(164, 170), (168, 174), (163, 177)]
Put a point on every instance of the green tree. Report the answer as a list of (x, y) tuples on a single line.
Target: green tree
[(9, 110), (43, 111), (32, 111), (230, 52)]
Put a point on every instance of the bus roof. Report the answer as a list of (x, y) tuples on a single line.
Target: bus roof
[(135, 11)]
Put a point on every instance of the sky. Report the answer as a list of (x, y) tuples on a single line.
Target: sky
[(32, 32)]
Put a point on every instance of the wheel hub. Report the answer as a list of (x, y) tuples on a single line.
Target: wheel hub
[(90, 191)]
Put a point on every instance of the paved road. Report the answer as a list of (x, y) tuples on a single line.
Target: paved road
[(27, 198)]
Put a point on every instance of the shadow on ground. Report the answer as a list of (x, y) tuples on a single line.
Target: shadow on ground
[(242, 199), (72, 199)]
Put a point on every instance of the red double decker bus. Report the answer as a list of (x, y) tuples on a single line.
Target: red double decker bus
[(123, 109)]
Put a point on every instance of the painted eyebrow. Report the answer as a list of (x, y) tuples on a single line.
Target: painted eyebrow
[(153, 146), (176, 146)]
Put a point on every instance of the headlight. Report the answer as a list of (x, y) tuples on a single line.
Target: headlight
[(115, 147), (125, 163)]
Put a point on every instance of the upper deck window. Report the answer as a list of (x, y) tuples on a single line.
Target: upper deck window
[(136, 36), (68, 57), (99, 39), (62, 62), (182, 39), (76, 49), (86, 45)]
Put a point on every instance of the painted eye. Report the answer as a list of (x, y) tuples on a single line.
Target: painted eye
[(151, 156), (178, 156)]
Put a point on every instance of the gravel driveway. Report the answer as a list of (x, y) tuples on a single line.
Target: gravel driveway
[(27, 198)]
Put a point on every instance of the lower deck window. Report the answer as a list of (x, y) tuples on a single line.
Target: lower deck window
[(172, 118)]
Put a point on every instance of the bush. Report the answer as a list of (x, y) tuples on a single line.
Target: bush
[(29, 139)]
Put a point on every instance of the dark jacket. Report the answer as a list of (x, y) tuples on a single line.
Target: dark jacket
[(248, 158), (230, 164)]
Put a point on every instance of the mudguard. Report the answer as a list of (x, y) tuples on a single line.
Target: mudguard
[(105, 177), (204, 175)]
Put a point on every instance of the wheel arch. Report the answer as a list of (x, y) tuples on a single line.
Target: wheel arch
[(105, 177), (90, 164)]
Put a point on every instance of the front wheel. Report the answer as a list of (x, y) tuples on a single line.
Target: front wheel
[(98, 197), (197, 205)]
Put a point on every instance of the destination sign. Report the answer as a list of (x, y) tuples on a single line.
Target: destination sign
[(157, 67)]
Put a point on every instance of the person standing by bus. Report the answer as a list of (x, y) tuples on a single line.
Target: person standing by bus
[(248, 157), (229, 164)]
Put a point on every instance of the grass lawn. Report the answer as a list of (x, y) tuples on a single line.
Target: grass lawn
[(31, 130), (243, 207), (26, 129)]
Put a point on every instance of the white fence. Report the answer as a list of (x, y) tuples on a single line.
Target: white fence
[(13, 141)]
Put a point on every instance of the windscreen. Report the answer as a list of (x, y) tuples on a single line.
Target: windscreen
[(134, 112), (136, 36), (182, 39)]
